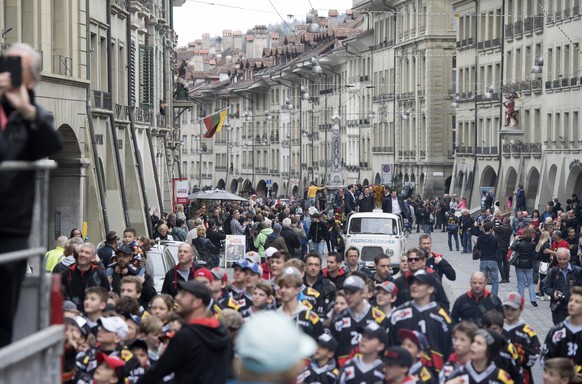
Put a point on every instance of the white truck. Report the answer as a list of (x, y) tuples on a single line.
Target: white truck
[(376, 232)]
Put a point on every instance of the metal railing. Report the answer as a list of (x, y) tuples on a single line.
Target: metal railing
[(44, 167)]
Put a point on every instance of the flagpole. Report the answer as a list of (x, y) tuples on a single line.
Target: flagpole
[(213, 113)]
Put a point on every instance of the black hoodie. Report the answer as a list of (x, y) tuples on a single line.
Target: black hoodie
[(200, 352)]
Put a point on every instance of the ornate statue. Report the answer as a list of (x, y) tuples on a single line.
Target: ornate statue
[(510, 114)]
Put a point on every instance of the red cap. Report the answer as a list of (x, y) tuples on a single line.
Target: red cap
[(204, 272), (520, 232), (114, 362)]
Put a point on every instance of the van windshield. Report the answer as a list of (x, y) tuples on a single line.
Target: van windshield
[(373, 226)]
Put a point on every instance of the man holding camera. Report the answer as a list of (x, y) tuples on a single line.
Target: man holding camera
[(558, 283), (26, 134)]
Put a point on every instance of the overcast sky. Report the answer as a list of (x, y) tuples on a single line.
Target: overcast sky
[(194, 18)]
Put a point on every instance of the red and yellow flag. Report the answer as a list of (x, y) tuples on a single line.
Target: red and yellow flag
[(214, 123)]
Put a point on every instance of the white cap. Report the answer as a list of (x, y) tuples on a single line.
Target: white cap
[(270, 251), (258, 352), (253, 257), (114, 324)]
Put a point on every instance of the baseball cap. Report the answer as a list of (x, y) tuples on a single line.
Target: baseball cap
[(354, 283), (416, 337), (254, 268), (136, 319), (292, 271), (270, 251), (111, 236), (80, 322), (123, 248), (114, 324), (389, 287), (513, 300), (253, 257), (231, 318), (114, 362), (376, 331), (68, 305), (494, 340), (398, 356), (327, 341), (423, 277), (196, 288), (258, 352), (204, 272), (219, 274), (240, 263)]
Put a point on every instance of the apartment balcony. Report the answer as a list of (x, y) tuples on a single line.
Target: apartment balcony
[(383, 149), (519, 149), (121, 112)]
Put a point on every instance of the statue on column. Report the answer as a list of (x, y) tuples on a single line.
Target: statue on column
[(511, 113)]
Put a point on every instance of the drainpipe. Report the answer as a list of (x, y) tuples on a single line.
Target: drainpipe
[(113, 127), (499, 142), (138, 159), (96, 164), (476, 106)]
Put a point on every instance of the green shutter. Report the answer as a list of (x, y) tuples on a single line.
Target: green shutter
[(146, 84)]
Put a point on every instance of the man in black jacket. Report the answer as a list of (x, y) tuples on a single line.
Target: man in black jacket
[(350, 199), (466, 226), (82, 275), (366, 201), (314, 279), (201, 351), (26, 134), (291, 239), (475, 302), (435, 261), (503, 234), (317, 235), (184, 271), (417, 262)]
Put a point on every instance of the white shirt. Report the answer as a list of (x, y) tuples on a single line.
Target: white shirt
[(395, 206)]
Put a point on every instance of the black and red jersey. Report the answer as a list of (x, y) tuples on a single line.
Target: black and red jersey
[(491, 375), (422, 373), (346, 328), (432, 321), (307, 320), (450, 369), (564, 340), (527, 344), (314, 374), (356, 371)]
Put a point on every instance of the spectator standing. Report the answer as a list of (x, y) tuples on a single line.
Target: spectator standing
[(452, 227), (472, 305), (524, 264), (107, 251), (350, 200), (317, 235), (314, 279), (334, 272), (503, 234), (466, 227), (435, 261), (558, 282), (56, 255), (353, 264), (236, 228), (82, 275), (26, 134), (184, 271), (487, 244)]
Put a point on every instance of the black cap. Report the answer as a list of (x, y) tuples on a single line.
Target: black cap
[(398, 356), (196, 288), (327, 341), (376, 331), (124, 248), (423, 277)]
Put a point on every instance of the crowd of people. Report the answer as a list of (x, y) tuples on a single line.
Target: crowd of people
[(284, 318)]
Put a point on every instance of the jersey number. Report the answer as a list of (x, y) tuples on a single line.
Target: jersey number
[(572, 349), (422, 325), (356, 337)]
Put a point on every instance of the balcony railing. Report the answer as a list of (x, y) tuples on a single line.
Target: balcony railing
[(121, 112), (143, 115), (63, 65)]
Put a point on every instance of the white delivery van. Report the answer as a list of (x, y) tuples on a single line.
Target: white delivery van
[(376, 232)]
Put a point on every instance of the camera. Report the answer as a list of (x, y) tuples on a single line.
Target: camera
[(12, 64)]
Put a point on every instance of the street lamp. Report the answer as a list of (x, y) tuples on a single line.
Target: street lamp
[(538, 67)]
